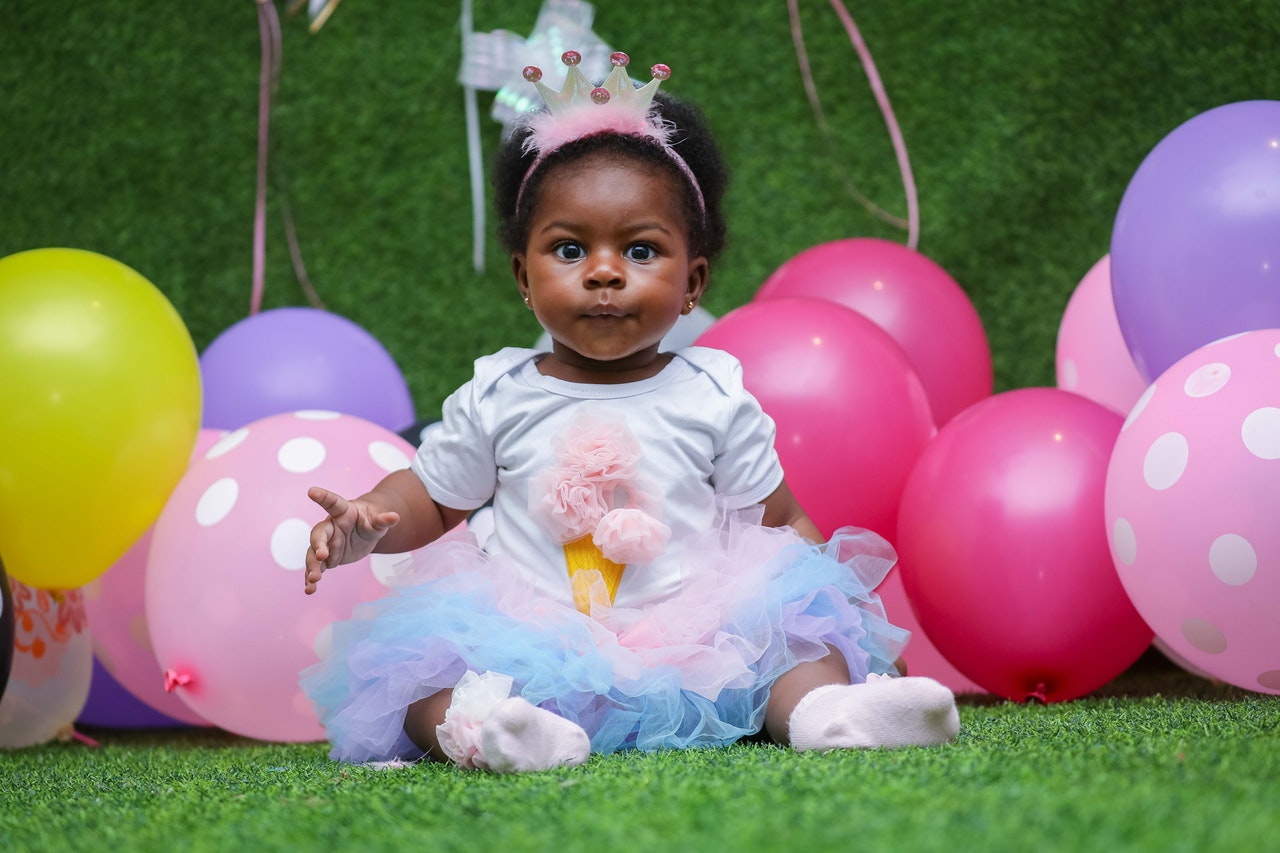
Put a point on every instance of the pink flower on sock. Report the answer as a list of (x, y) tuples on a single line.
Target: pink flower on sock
[(474, 699), (631, 536)]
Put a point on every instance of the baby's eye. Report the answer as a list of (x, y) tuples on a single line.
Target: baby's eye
[(569, 251), (640, 252)]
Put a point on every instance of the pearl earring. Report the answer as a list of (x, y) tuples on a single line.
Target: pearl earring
[(527, 303)]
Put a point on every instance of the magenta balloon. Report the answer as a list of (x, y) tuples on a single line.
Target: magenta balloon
[(1195, 251), (852, 415), (1004, 547), (911, 298), (292, 359)]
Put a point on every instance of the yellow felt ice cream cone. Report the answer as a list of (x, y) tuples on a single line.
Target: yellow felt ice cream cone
[(586, 564)]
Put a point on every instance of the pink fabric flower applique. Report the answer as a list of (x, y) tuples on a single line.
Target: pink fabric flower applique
[(595, 490)]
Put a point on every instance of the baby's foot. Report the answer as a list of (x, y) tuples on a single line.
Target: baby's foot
[(519, 737), (885, 712)]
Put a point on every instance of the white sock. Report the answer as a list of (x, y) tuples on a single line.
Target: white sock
[(883, 712), (519, 737)]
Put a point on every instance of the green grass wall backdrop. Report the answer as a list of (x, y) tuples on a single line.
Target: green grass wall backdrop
[(130, 129)]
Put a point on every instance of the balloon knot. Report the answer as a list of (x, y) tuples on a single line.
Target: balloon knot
[(1038, 695), (174, 680)]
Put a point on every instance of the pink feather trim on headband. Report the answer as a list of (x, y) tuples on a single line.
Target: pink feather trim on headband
[(548, 131)]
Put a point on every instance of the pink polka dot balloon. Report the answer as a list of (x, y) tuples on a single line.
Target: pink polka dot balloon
[(228, 619), (1191, 508)]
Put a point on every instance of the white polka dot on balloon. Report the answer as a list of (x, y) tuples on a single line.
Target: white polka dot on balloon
[(217, 501), (300, 455), (1206, 380), (1124, 543), (317, 415), (387, 456), (1165, 461), (225, 600), (1139, 406), (1261, 432), (227, 443), (289, 543), (1233, 559), (1190, 509)]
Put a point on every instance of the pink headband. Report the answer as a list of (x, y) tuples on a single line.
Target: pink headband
[(579, 110)]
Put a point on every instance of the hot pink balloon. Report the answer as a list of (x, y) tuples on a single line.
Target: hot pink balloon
[(1004, 549), (921, 655), (228, 619), (1092, 359), (116, 606), (852, 415), (1191, 509), (909, 296)]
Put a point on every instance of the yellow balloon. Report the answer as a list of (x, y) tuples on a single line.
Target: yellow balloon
[(99, 412)]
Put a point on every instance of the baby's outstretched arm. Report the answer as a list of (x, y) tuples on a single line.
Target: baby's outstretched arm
[(398, 515)]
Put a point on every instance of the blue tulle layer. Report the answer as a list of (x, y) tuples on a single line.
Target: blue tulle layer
[(694, 670)]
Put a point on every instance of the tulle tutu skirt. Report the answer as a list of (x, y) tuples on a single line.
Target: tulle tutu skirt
[(693, 670)]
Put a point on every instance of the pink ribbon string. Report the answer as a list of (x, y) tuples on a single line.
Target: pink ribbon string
[(269, 33), (912, 223), (84, 739)]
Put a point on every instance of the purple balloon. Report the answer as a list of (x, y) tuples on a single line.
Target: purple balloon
[(290, 359), (1195, 251)]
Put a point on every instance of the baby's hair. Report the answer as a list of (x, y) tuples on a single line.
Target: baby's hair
[(692, 138)]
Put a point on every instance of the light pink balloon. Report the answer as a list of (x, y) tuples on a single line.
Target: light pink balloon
[(1191, 508), (851, 413), (1004, 551), (921, 655), (224, 599), (52, 666), (1092, 359), (116, 606), (909, 296)]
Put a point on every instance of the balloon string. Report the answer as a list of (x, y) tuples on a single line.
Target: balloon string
[(473, 152), (912, 223), (295, 255), (84, 739), (269, 34)]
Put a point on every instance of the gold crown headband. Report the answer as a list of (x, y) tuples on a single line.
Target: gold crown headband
[(580, 110)]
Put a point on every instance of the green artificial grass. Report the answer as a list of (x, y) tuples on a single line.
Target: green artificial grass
[(130, 129), (1158, 761)]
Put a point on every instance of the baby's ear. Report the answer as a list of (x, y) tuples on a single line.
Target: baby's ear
[(520, 271), (699, 272)]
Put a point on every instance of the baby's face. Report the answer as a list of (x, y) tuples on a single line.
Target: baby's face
[(607, 269)]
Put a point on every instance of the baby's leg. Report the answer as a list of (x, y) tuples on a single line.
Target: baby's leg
[(814, 707), (422, 718), (508, 736)]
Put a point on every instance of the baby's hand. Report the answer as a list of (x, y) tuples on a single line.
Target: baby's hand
[(350, 533)]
